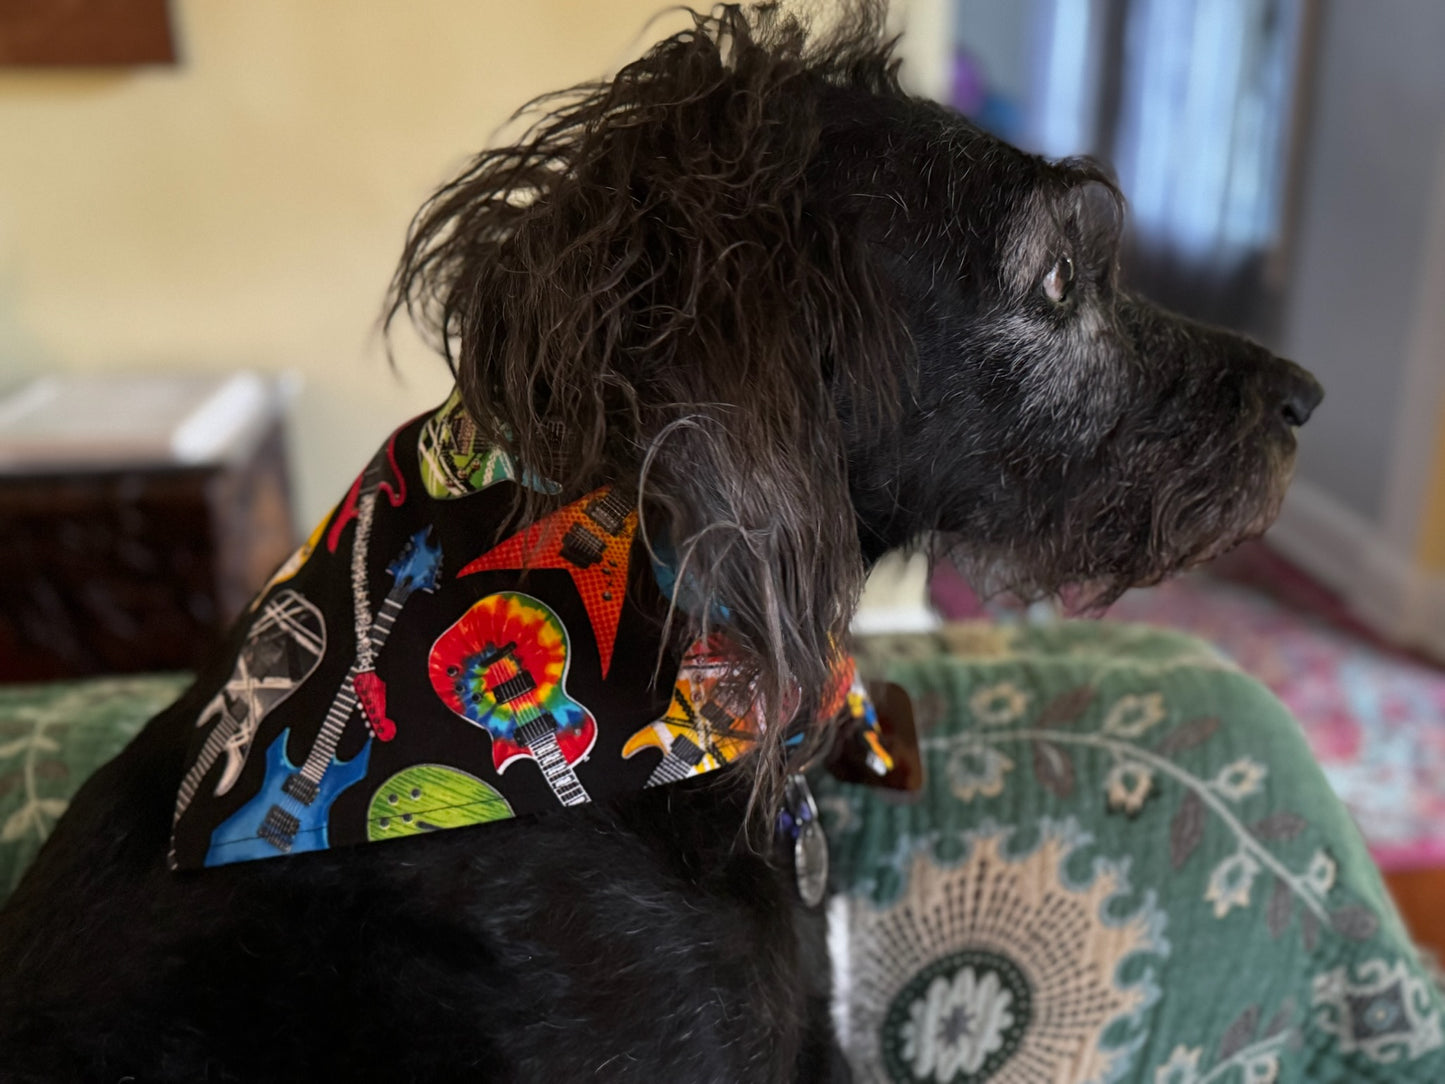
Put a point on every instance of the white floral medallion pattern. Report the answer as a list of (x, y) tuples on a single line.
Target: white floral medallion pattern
[(1385, 1012), (958, 1019), (1195, 783), (998, 967)]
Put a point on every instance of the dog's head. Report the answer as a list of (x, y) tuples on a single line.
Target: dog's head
[(812, 318), (1060, 433)]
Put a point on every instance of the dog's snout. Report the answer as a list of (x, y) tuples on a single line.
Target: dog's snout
[(1302, 394)]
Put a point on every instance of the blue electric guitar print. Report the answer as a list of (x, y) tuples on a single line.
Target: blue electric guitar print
[(290, 813)]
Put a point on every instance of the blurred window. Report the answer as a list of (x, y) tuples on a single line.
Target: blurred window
[(1194, 103)]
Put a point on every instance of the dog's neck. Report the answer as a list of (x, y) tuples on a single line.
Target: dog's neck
[(426, 662)]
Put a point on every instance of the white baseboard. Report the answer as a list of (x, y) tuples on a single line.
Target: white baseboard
[(1349, 555), (896, 598)]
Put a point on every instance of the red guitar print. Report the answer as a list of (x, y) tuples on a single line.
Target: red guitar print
[(396, 494), (290, 814), (591, 539), (503, 667)]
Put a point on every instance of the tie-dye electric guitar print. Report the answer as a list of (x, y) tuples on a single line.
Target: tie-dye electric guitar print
[(290, 813), (503, 667)]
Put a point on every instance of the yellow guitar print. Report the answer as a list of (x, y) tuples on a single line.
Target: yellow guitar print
[(710, 721)]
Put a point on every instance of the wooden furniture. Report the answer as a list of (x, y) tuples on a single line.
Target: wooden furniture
[(1420, 896), (85, 33), (138, 563)]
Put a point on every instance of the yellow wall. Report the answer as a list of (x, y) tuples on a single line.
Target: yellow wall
[(246, 207)]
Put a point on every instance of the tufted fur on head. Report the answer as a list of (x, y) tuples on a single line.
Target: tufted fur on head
[(811, 318), (650, 288)]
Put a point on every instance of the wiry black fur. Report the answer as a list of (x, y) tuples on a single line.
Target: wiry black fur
[(665, 282), (806, 316), (630, 943)]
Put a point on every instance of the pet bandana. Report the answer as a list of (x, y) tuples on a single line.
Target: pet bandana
[(405, 671)]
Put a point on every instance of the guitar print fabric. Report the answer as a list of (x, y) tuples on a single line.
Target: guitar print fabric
[(711, 720), (455, 459), (287, 641), (291, 811), (508, 667), (503, 666)]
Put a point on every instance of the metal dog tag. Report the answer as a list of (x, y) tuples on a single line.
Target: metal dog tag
[(810, 864), (810, 844)]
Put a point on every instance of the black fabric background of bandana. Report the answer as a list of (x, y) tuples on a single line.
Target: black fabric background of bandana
[(428, 731)]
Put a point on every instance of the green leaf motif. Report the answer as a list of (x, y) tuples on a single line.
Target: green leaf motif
[(1281, 907), (1067, 707), (1281, 1019), (1238, 1035), (1187, 736), (1186, 830), (1309, 929), (1280, 826), (1356, 922), (1054, 768)]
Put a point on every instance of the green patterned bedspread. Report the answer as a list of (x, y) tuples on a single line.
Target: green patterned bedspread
[(1125, 867), (51, 738)]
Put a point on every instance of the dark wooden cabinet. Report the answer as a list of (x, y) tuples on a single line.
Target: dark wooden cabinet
[(136, 569)]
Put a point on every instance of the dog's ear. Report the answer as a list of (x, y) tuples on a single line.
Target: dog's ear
[(652, 280)]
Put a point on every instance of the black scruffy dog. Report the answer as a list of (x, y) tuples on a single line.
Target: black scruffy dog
[(806, 319)]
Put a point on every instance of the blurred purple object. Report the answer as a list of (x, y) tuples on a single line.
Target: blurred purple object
[(969, 88)]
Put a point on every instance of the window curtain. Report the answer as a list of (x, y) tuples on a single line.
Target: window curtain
[(1194, 102)]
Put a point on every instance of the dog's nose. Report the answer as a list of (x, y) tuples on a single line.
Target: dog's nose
[(1302, 393)]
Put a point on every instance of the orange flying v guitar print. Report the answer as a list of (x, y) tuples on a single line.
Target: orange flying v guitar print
[(590, 538)]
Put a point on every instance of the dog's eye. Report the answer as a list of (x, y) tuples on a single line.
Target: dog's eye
[(1059, 281)]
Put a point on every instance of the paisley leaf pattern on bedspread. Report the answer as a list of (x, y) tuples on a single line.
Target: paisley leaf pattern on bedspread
[(1125, 866)]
